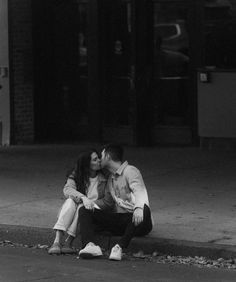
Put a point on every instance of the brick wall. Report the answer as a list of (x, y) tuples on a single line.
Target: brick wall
[(21, 67)]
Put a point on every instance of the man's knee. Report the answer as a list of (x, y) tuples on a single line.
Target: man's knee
[(146, 210), (145, 227), (83, 212)]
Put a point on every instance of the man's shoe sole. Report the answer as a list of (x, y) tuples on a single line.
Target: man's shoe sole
[(115, 259), (88, 256)]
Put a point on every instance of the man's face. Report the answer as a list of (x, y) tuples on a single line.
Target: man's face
[(104, 159)]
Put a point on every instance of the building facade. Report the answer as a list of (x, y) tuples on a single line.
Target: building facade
[(102, 70)]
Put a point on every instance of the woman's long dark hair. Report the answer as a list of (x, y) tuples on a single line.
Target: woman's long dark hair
[(82, 169)]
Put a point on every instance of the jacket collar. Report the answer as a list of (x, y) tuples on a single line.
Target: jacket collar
[(121, 168)]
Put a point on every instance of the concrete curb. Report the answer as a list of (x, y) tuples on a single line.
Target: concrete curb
[(44, 236)]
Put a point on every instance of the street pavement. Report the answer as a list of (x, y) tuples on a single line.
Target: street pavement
[(24, 264), (192, 191)]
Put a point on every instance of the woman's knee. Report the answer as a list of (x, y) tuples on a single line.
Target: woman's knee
[(70, 203), (68, 206)]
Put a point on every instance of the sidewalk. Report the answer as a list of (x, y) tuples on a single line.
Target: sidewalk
[(192, 194)]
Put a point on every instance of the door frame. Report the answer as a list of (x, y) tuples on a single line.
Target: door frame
[(5, 124)]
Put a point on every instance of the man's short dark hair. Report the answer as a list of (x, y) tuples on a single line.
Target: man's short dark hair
[(115, 151)]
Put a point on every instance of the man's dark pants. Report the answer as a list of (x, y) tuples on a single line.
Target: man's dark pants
[(119, 224)]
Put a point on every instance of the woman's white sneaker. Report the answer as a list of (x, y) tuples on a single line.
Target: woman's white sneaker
[(90, 251), (116, 253)]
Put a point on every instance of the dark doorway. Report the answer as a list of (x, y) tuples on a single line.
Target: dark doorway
[(117, 95), (135, 92), (60, 69)]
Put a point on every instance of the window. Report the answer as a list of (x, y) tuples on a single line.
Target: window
[(220, 33)]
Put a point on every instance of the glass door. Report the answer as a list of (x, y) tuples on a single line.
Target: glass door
[(117, 94), (171, 72)]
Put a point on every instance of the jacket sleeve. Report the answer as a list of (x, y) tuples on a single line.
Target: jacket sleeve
[(106, 202), (137, 186), (70, 191)]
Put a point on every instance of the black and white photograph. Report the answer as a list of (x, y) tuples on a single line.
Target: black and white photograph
[(118, 140)]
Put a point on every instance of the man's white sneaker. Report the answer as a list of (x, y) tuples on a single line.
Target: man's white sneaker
[(116, 253), (90, 251)]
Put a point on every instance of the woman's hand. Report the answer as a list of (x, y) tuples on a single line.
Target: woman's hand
[(88, 204)]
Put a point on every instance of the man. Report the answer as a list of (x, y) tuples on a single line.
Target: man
[(132, 216)]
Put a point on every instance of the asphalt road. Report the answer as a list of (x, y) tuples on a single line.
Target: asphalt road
[(25, 265)]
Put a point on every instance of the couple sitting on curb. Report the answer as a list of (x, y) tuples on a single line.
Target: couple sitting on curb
[(118, 204)]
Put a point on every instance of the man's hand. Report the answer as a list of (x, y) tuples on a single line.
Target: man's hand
[(137, 216), (88, 204)]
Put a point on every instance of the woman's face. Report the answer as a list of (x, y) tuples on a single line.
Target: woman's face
[(95, 163)]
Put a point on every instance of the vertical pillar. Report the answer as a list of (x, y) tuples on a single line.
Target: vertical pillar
[(94, 69), (143, 69), (196, 38), (4, 76)]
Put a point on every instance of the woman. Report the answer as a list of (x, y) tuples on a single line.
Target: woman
[(85, 186)]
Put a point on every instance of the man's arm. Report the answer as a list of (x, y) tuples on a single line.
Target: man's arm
[(137, 186)]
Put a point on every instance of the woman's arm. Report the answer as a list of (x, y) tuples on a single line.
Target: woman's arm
[(70, 191)]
